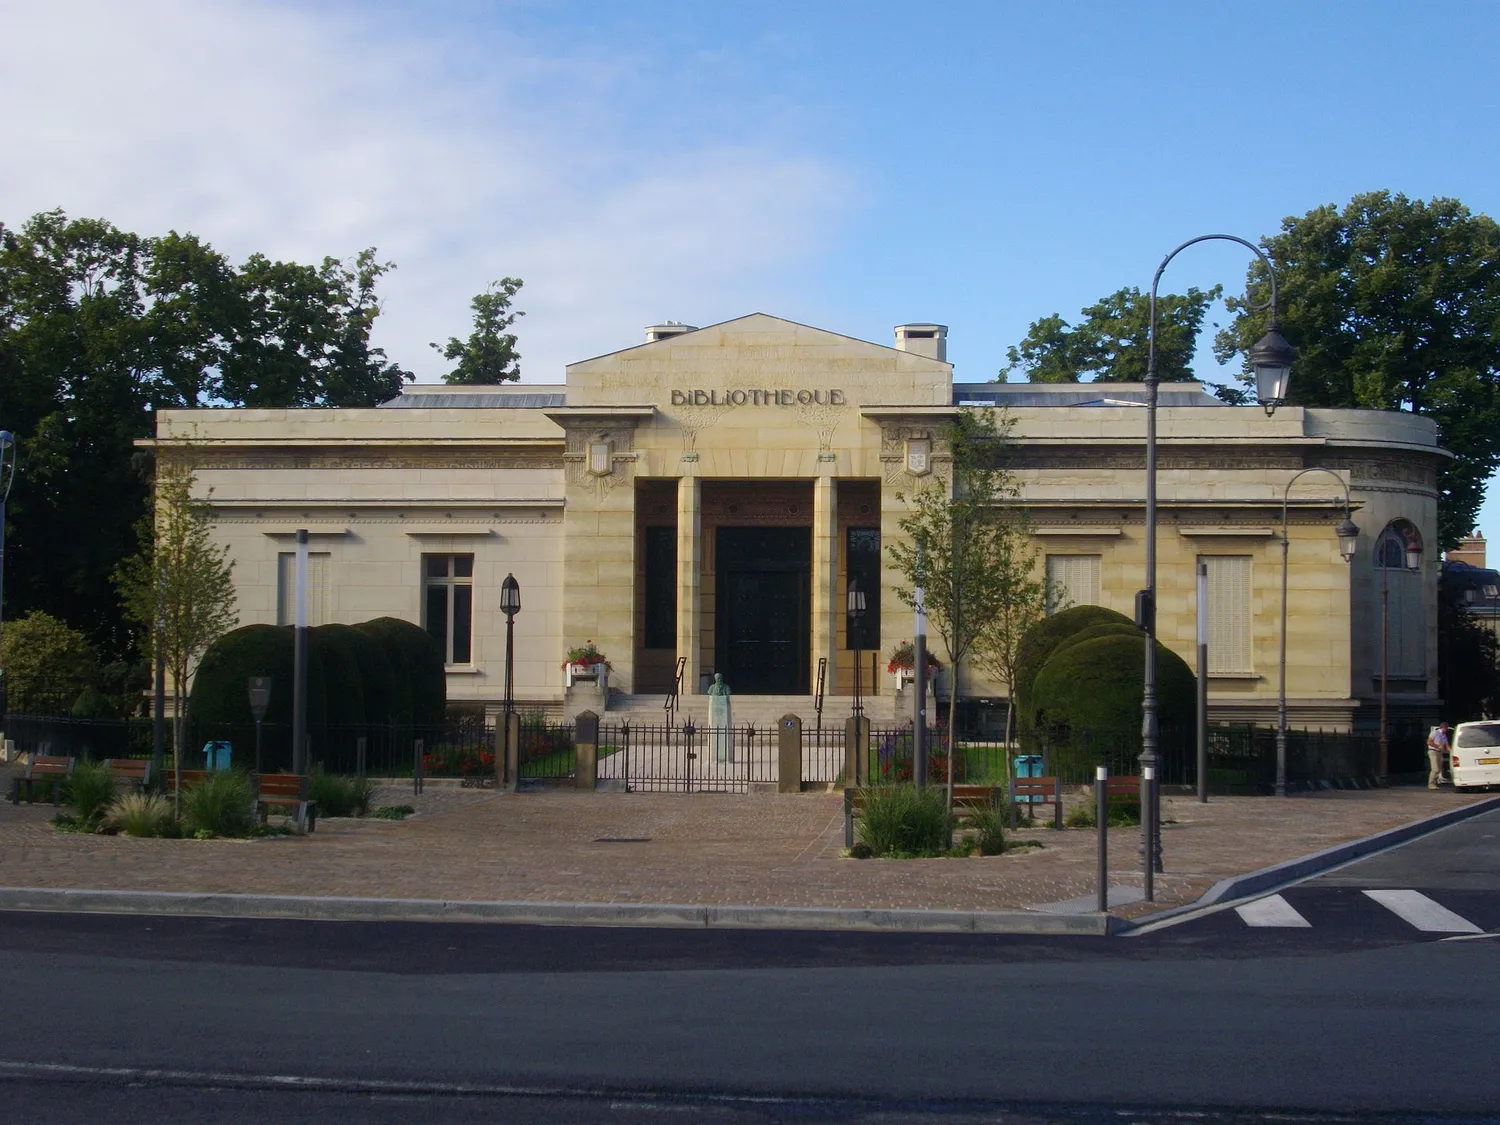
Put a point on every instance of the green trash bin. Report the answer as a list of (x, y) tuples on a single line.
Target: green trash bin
[(1028, 765)]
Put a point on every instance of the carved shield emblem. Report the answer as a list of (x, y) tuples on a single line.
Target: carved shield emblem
[(918, 456), (601, 458)]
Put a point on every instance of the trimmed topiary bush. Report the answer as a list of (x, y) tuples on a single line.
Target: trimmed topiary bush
[(1092, 690), (341, 687), (220, 693), (93, 704), (417, 658), (1042, 639)]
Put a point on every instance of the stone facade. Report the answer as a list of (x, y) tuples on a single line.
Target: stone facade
[(587, 490)]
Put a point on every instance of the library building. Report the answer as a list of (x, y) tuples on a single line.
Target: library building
[(701, 502)]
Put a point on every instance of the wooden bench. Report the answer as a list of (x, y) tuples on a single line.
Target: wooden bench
[(42, 769), (978, 797), (287, 791), (1032, 791), (133, 772), (190, 778)]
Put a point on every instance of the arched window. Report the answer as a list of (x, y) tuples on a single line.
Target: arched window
[(1399, 587)]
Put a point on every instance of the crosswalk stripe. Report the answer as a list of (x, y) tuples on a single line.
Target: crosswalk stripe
[(1422, 912), (1271, 911)]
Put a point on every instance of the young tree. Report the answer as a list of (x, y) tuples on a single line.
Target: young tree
[(1393, 304), (1109, 344), (1025, 597), (963, 546), (489, 355), (178, 588)]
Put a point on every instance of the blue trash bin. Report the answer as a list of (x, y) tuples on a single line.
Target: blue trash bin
[(216, 755), (1028, 765)]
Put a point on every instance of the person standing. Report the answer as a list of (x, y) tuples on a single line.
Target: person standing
[(1437, 754)]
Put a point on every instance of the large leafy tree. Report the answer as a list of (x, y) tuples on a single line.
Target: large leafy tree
[(1394, 304), (1110, 343), (98, 329), (489, 355)]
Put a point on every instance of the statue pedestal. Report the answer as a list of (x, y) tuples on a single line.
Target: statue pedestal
[(586, 692)]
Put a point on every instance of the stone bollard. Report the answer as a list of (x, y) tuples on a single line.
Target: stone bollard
[(586, 751), (789, 754), (856, 751)]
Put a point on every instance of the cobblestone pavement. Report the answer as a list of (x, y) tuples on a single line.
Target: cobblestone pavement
[(755, 849)]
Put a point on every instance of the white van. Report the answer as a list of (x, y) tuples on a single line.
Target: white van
[(1475, 754)]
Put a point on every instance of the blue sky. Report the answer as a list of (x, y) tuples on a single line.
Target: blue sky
[(850, 165)]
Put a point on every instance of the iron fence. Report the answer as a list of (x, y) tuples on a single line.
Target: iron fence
[(657, 758), (547, 751)]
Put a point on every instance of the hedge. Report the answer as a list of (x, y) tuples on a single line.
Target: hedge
[(1042, 639)]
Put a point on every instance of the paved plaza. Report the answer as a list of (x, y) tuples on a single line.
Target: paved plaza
[(694, 849)]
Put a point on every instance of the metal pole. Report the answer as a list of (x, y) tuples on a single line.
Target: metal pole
[(7, 478), (919, 692), (159, 713), (1101, 822), (1281, 690), (502, 759), (258, 769), (858, 710), (299, 662), (1385, 594), (1148, 819), (1202, 682)]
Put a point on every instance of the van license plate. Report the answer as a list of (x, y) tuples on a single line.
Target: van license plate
[(1488, 762)]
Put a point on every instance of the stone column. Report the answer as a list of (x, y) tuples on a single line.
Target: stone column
[(825, 585), (689, 580)]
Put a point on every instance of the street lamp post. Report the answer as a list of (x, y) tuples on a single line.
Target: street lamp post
[(1348, 533), (7, 478), (853, 628), (1271, 357), (510, 605), (1413, 558)]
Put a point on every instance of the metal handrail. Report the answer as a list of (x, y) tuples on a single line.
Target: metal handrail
[(818, 695), (671, 702)]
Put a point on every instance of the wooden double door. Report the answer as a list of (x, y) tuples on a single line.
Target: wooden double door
[(763, 609)]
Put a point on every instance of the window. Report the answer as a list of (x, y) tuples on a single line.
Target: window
[(1400, 592), (1072, 580), (448, 603), (317, 588), (862, 565), (1230, 649), (661, 588)]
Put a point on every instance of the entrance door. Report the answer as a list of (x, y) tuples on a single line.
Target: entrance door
[(763, 620)]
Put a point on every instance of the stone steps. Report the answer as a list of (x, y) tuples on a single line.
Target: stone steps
[(747, 710)]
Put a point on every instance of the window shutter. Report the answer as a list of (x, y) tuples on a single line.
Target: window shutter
[(1074, 580), (318, 566), (1230, 649)]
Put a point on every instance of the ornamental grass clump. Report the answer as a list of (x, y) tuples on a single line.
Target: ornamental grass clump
[(340, 796), (91, 790), (989, 831), (222, 805), (902, 822), (140, 814)]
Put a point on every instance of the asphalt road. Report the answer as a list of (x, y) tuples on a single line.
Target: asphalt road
[(219, 1020)]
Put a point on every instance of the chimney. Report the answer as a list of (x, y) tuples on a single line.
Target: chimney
[(666, 330), (930, 340)]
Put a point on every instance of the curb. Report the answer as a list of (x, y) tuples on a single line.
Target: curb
[(555, 913), (1295, 870)]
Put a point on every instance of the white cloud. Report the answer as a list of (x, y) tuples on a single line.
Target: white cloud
[(302, 134)]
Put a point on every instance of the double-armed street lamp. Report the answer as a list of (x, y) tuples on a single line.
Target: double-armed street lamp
[(1348, 535), (1271, 358), (854, 629)]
